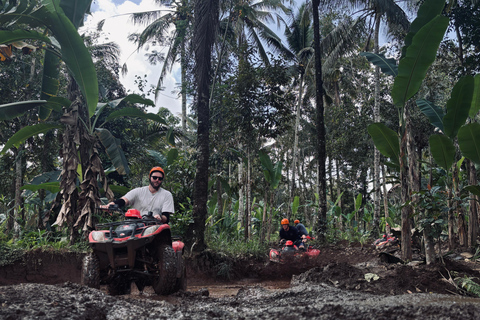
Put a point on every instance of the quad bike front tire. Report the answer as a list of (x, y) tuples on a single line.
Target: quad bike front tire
[(164, 282), (91, 271), (119, 286)]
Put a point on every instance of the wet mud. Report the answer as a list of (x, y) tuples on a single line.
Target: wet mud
[(345, 282)]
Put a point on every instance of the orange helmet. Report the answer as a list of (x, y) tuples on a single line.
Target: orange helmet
[(285, 221), (296, 221), (289, 243), (157, 169)]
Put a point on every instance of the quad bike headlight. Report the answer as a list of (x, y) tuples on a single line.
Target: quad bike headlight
[(98, 236), (150, 230)]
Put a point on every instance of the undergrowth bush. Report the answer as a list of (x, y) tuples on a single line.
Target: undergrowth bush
[(237, 247)]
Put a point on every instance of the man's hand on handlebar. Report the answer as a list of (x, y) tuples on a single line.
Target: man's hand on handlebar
[(161, 217)]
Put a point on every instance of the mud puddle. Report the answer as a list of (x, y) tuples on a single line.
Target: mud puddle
[(208, 289)]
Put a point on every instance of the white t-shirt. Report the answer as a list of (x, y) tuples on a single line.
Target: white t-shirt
[(144, 201)]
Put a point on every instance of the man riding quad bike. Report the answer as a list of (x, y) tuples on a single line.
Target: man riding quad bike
[(293, 246), (138, 250)]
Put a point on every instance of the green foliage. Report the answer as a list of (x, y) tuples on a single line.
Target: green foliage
[(469, 285), (418, 58), (469, 141), (295, 205), (458, 106), (433, 112), (443, 150), (9, 254), (388, 66), (386, 141), (41, 239), (433, 204), (235, 248), (67, 44)]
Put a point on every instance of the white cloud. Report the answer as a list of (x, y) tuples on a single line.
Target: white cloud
[(117, 28)]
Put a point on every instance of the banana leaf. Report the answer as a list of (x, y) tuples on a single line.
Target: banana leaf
[(388, 66), (469, 141), (114, 151), (458, 106), (427, 11), (476, 97), (135, 112), (386, 141), (27, 132), (434, 113), (442, 150), (10, 111), (53, 187), (419, 56)]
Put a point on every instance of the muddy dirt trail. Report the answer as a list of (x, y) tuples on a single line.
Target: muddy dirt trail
[(344, 283)]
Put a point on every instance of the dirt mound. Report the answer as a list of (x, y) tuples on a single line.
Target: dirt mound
[(346, 267)]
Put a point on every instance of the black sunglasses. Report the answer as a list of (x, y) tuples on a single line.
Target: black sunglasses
[(157, 178)]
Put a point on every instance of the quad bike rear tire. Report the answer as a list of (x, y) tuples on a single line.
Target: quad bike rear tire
[(91, 271), (119, 286), (164, 282)]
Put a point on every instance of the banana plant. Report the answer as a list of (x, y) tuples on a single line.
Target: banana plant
[(104, 136), (273, 176), (55, 23), (419, 52)]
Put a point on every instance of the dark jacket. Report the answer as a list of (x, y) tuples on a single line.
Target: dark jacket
[(301, 229), (291, 234)]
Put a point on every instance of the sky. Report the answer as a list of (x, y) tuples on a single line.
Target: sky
[(117, 28)]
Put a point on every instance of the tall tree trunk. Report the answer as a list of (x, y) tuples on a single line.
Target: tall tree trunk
[(270, 215), (183, 62), (295, 140), (339, 192), (462, 232), (264, 217), (472, 213), (320, 123), (241, 196), (330, 179), (451, 223), (248, 208), (18, 209), (413, 168), (385, 201), (376, 156), (406, 212), (206, 19), (219, 196)]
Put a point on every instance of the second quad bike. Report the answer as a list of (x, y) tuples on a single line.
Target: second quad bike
[(289, 253), (138, 250)]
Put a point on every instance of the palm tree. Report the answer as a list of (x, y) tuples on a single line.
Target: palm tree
[(395, 19), (206, 13), (159, 29), (337, 41), (299, 36)]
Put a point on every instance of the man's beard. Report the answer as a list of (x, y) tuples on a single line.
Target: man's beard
[(155, 187)]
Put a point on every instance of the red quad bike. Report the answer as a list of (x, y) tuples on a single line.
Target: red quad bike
[(290, 252), (137, 250)]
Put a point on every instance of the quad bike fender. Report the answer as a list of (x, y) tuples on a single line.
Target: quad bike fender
[(178, 248), (312, 253), (274, 255)]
